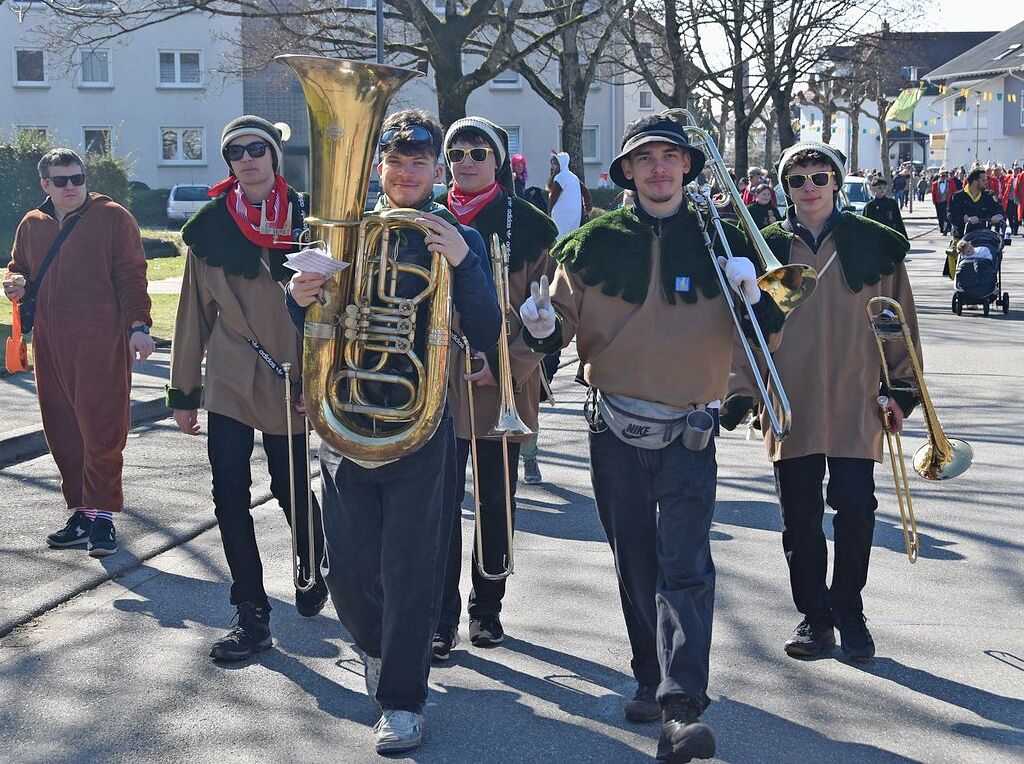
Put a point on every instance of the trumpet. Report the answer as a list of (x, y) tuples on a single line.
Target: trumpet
[(788, 285), (941, 458), (508, 421)]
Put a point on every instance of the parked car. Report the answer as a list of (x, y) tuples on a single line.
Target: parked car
[(855, 194), (185, 200)]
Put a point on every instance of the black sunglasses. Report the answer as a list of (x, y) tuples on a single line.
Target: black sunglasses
[(413, 135), (256, 149), (820, 179), (62, 180), (478, 154)]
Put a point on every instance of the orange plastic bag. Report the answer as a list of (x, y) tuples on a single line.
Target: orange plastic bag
[(17, 351)]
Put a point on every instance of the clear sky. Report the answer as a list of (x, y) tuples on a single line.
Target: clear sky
[(970, 16)]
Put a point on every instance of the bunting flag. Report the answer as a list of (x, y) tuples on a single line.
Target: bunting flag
[(902, 109)]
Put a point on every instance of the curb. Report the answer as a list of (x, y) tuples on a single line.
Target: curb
[(30, 443)]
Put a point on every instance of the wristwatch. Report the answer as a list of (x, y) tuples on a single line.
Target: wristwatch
[(143, 328)]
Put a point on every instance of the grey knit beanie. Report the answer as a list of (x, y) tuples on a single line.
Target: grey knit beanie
[(250, 124)]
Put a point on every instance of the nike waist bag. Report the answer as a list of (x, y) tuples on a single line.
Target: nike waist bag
[(649, 425)]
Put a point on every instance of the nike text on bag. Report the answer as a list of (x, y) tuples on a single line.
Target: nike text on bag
[(654, 425)]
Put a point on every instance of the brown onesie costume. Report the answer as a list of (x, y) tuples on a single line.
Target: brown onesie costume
[(93, 291)]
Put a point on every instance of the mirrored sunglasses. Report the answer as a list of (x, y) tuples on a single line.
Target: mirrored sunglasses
[(820, 179), (256, 149), (477, 154), (62, 180), (412, 135)]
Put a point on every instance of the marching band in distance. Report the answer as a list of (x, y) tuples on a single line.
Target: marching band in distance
[(412, 337)]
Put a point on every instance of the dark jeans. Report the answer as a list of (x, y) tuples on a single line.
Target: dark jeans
[(230, 444), (942, 213), (387, 535), (1011, 217), (485, 596), (656, 509), (851, 493)]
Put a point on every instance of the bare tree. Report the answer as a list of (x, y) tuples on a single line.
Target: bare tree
[(418, 32), (575, 54)]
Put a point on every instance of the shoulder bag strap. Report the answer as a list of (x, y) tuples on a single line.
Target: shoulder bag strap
[(33, 286)]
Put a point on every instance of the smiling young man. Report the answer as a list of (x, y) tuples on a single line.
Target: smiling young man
[(232, 313), (91, 320), (637, 289), (483, 196), (830, 368), (387, 524)]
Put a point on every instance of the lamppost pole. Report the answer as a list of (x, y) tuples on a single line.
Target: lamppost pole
[(977, 126), (380, 31)]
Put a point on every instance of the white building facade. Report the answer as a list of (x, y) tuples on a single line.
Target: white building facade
[(154, 97)]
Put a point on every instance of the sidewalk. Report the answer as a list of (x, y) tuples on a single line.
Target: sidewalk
[(21, 434)]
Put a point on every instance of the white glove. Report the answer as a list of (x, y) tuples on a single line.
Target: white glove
[(742, 277), (537, 314)]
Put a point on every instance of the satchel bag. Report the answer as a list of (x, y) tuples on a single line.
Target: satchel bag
[(27, 304)]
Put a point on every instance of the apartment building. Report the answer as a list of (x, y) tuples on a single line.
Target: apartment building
[(155, 96)]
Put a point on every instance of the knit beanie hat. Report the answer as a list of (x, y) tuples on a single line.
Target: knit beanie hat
[(835, 157), (249, 124), (496, 138)]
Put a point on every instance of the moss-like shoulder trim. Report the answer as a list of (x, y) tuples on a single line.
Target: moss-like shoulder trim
[(606, 252), (867, 250), (213, 236), (178, 399), (533, 232)]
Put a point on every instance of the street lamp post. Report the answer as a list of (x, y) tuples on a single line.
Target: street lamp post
[(380, 31), (977, 127)]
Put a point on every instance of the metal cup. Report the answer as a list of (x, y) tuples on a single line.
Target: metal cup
[(698, 429)]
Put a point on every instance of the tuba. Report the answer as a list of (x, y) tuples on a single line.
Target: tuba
[(361, 329)]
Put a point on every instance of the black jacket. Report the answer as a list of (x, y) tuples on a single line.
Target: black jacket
[(962, 206)]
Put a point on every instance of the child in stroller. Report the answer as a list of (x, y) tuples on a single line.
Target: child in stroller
[(978, 277)]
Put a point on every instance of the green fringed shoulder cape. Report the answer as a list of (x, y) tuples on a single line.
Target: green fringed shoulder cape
[(614, 250), (867, 250)]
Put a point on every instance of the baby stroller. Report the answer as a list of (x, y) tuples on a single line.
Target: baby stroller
[(979, 279)]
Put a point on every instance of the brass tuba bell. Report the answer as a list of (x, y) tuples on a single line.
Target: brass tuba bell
[(363, 331)]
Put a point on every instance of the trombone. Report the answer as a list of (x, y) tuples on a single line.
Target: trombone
[(508, 422), (788, 285), (302, 585), (941, 458)]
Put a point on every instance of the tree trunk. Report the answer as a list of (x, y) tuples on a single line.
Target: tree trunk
[(571, 133), (827, 112), (769, 131), (742, 159), (855, 135), (884, 141), (781, 102)]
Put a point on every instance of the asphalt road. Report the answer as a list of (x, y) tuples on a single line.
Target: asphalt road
[(120, 671)]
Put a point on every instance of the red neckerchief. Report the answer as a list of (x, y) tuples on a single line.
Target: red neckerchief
[(248, 216), (465, 206)]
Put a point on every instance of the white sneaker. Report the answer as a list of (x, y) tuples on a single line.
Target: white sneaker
[(398, 731), (371, 669)]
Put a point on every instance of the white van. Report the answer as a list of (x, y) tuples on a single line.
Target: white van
[(185, 200)]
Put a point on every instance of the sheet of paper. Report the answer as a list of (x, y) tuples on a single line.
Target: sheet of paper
[(314, 260)]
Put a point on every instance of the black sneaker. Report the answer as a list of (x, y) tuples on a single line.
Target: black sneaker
[(644, 706), (311, 601), (250, 635), (811, 638), (531, 472), (856, 643), (444, 642), (683, 735), (75, 533), (102, 539), (486, 631)]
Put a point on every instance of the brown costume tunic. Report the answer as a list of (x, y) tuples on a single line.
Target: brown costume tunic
[(533, 232), (829, 363), (217, 312), (94, 290), (641, 344)]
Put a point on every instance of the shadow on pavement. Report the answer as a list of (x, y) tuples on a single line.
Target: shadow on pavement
[(988, 705)]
